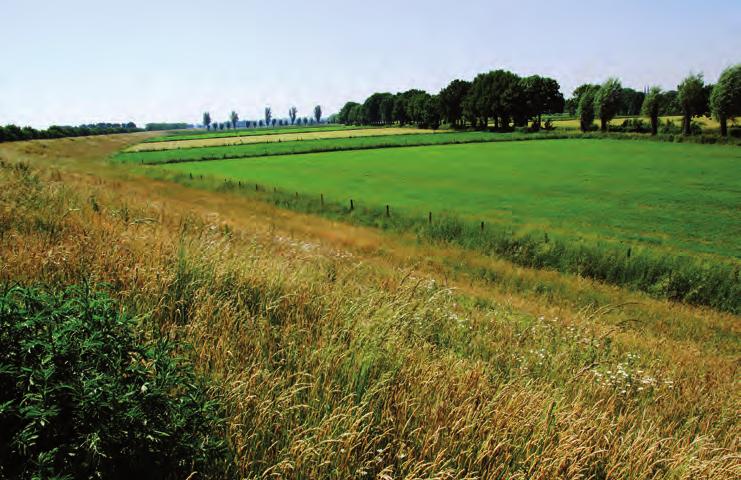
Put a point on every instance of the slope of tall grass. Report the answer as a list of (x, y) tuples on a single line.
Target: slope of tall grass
[(331, 368)]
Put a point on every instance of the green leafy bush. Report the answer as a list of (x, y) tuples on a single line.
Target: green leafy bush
[(81, 397)]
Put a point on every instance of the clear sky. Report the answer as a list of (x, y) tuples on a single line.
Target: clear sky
[(80, 61)]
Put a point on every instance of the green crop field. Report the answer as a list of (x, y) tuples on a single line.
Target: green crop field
[(321, 145), (680, 197), (244, 132)]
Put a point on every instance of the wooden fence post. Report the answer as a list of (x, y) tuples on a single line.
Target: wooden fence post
[(429, 218), (321, 199), (388, 213), (352, 205)]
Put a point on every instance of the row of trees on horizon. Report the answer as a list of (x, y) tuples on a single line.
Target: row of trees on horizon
[(11, 133), (268, 120), (507, 100)]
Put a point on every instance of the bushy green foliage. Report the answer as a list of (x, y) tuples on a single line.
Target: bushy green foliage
[(692, 97), (607, 101), (585, 111), (82, 397), (451, 101), (725, 99), (652, 104)]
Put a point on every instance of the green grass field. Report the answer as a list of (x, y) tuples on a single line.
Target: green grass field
[(671, 196), (320, 145)]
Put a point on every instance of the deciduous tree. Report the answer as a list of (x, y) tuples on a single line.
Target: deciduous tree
[(451, 101), (725, 99), (542, 95), (292, 114), (691, 96), (585, 110), (607, 101), (652, 104)]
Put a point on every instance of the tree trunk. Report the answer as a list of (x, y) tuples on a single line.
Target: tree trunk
[(654, 124), (686, 125), (603, 125), (723, 126)]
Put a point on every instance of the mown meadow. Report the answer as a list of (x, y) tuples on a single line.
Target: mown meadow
[(326, 354)]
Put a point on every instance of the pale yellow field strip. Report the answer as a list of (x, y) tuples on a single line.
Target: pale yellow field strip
[(283, 137), (703, 121)]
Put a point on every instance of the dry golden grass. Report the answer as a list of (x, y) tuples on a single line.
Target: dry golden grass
[(282, 137), (343, 353)]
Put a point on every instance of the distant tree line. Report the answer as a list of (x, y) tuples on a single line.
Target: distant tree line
[(506, 100), (268, 120), (10, 133), (167, 126), (499, 96)]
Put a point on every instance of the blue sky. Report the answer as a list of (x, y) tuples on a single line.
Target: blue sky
[(79, 61)]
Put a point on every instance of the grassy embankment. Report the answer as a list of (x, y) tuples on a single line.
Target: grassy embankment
[(629, 213), (336, 355)]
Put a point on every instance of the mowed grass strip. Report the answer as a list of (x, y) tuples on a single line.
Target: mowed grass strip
[(283, 137), (241, 132), (682, 197), (250, 150)]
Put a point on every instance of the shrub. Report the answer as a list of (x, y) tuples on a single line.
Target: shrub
[(670, 127), (81, 398)]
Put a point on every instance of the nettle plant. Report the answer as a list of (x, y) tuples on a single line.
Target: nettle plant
[(81, 397)]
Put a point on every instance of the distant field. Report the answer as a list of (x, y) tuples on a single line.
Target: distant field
[(241, 132), (673, 196), (276, 137), (703, 121), (249, 150)]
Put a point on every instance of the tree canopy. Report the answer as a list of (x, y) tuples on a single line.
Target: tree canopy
[(692, 97), (607, 101), (651, 107), (725, 99)]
